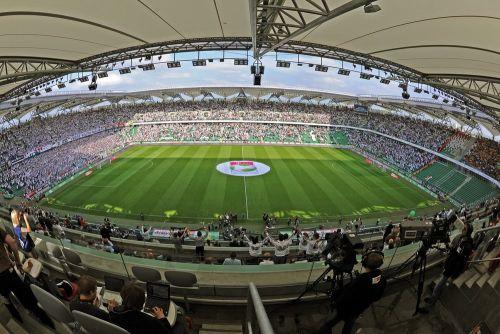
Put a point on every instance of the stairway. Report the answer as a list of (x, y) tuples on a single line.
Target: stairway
[(473, 296), (221, 329)]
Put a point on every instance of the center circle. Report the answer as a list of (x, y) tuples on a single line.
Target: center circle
[(243, 168)]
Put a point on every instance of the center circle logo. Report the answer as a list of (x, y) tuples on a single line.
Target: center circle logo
[(243, 168)]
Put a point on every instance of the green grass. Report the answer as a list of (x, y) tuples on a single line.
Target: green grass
[(181, 183)]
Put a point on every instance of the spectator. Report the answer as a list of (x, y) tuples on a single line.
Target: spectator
[(199, 242), (281, 248), (232, 260), (22, 233), (254, 248), (87, 301), (129, 315), (267, 260), (10, 281), (357, 295)]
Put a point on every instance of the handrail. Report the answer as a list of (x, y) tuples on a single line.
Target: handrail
[(484, 260), (255, 306)]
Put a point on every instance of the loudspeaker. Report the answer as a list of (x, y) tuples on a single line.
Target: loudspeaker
[(256, 80)]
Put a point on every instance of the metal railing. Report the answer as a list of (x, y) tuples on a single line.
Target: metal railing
[(256, 314)]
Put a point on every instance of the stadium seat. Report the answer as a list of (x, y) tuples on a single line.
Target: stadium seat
[(56, 310), (184, 280), (93, 325), (144, 274)]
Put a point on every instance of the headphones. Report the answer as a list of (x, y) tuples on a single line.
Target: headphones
[(364, 259)]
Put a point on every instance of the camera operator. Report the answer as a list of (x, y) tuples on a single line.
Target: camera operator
[(358, 295), (455, 264)]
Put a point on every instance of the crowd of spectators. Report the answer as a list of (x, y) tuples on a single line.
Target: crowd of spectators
[(485, 155), (38, 153), (43, 170)]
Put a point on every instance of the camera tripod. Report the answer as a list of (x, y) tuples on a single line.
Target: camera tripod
[(336, 283), (419, 261)]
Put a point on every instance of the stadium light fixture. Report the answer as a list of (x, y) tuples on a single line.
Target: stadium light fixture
[(417, 90), (435, 96), (173, 64), (282, 63), (240, 61), (61, 85), (37, 93), (83, 79), (371, 8), (343, 71), (385, 81), (200, 62), (48, 90), (365, 76), (321, 68), (72, 81), (102, 75), (148, 67), (93, 84), (446, 100), (124, 70)]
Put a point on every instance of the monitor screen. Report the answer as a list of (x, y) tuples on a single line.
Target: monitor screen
[(159, 290), (113, 283)]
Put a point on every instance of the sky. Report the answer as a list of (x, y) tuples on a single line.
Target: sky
[(228, 74)]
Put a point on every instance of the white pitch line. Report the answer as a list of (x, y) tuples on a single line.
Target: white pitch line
[(246, 198), (245, 183)]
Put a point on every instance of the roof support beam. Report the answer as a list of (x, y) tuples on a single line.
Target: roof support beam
[(289, 22)]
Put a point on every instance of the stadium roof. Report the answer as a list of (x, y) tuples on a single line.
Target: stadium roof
[(450, 44)]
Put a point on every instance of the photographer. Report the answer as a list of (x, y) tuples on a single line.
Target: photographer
[(358, 295), (455, 264)]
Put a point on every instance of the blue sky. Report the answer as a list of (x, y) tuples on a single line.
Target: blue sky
[(227, 74)]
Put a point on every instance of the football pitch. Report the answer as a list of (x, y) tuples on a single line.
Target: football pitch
[(181, 183)]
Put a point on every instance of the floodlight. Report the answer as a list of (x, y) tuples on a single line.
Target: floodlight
[(61, 85), (365, 76), (435, 96), (148, 67), (321, 68), (385, 81), (173, 64), (48, 90), (83, 79), (241, 61), (343, 71), (282, 63), (102, 74), (72, 80), (446, 100), (418, 90), (124, 70), (200, 62), (37, 93)]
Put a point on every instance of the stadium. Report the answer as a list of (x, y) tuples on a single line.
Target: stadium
[(255, 166)]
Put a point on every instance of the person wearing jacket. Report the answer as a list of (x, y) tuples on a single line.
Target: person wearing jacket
[(455, 264), (129, 314)]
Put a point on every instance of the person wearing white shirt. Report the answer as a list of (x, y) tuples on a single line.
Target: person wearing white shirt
[(281, 248), (313, 248), (267, 260), (232, 260), (254, 248)]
